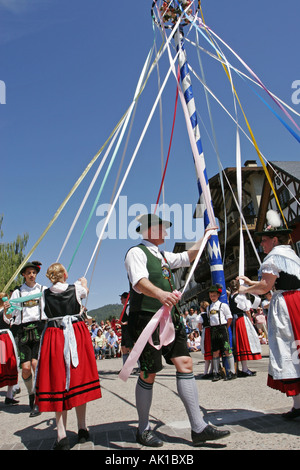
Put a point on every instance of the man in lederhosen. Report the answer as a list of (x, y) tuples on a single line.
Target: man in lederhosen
[(151, 286), (30, 320)]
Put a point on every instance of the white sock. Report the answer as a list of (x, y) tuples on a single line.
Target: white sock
[(10, 391), (230, 360), (296, 401), (206, 366)]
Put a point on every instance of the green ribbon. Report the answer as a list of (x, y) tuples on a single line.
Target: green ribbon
[(14, 302)]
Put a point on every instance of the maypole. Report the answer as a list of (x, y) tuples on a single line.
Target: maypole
[(171, 11)]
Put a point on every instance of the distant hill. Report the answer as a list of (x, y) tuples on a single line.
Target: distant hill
[(106, 312)]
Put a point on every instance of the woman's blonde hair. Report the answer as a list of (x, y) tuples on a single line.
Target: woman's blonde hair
[(56, 272), (204, 304)]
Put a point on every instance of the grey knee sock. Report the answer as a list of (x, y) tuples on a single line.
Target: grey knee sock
[(216, 364), (187, 390), (28, 383), (143, 398)]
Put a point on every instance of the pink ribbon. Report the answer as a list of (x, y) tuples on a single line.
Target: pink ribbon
[(166, 335)]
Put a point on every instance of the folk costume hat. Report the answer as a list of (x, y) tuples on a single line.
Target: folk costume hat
[(149, 220), (216, 288), (125, 295), (32, 264), (274, 226)]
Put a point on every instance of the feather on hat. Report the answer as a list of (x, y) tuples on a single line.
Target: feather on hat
[(274, 226)]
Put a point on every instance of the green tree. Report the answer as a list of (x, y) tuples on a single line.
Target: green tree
[(11, 256)]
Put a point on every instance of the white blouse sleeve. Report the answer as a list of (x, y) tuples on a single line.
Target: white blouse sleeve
[(270, 268)]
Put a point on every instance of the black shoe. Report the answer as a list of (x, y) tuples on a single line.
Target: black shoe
[(230, 376), (216, 377), (148, 438), (11, 401), (249, 373), (34, 412), (63, 444), (209, 433), (294, 413), (34, 408), (206, 377), (83, 436)]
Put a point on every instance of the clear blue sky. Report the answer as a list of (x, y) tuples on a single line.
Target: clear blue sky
[(71, 68)]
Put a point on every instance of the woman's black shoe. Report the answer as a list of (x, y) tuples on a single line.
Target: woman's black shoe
[(83, 436), (11, 401), (63, 444), (294, 413)]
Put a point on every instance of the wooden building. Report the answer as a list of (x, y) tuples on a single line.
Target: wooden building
[(257, 198)]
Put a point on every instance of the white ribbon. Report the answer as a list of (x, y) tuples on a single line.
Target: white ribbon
[(70, 346)]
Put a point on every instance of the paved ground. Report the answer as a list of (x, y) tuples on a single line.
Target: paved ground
[(245, 406)]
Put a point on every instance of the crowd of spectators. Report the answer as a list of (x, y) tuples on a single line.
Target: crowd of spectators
[(106, 338)]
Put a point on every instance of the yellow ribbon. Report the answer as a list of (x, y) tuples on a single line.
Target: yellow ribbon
[(79, 181), (61, 207)]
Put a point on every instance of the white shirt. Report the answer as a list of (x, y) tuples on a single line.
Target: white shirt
[(225, 313), (193, 321), (29, 314), (136, 262)]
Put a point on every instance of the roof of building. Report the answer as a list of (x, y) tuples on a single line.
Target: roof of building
[(291, 167)]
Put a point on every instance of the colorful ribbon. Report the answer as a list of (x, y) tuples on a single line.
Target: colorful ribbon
[(163, 319), (14, 303)]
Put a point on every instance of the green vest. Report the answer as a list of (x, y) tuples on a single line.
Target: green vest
[(159, 276)]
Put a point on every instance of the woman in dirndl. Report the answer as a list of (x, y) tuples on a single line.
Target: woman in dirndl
[(281, 269), (206, 350), (67, 375), (246, 344)]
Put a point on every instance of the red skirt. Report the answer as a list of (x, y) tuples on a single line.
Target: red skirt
[(291, 387), (8, 361), (242, 350), (207, 345), (51, 393)]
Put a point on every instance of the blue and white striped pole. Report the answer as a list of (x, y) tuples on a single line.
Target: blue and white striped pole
[(215, 259)]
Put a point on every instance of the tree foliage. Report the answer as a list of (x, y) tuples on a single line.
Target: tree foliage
[(11, 256), (107, 312)]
